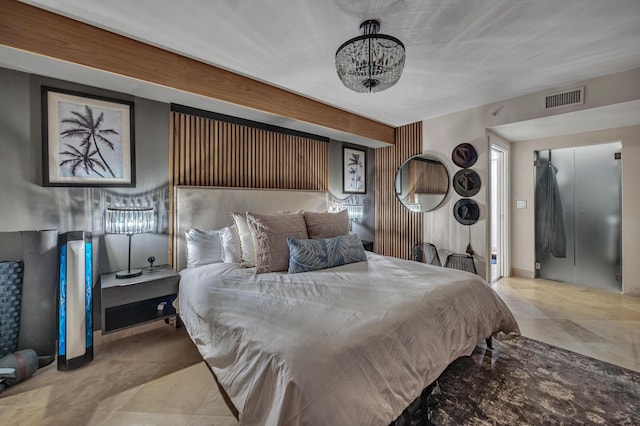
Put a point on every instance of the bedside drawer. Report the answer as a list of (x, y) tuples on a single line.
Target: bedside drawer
[(134, 301), (120, 295)]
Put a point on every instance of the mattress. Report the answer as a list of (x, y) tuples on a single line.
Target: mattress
[(351, 345)]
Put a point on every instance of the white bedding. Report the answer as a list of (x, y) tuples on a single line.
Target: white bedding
[(352, 345)]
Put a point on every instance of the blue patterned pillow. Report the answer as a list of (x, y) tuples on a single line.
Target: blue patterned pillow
[(322, 253)]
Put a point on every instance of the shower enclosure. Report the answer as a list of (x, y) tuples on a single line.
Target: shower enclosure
[(578, 205)]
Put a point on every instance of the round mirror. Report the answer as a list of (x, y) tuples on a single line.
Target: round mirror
[(422, 183)]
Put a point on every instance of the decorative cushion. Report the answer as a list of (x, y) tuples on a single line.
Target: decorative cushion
[(203, 247), (10, 297), (231, 251), (327, 225), (312, 255), (247, 247), (270, 235), (23, 363)]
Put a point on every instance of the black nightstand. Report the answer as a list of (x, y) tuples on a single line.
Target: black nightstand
[(128, 302), (368, 245)]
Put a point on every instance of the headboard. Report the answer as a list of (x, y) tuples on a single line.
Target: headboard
[(210, 207)]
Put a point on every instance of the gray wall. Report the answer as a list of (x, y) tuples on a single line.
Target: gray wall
[(27, 205)]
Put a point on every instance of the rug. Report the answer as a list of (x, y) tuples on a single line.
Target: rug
[(526, 382)]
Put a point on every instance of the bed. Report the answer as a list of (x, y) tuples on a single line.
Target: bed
[(349, 345)]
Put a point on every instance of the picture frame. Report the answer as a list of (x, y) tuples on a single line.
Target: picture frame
[(354, 170), (87, 140)]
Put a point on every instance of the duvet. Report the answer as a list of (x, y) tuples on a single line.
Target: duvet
[(351, 345)]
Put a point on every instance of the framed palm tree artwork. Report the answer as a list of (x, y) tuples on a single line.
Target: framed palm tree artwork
[(354, 171), (87, 140)]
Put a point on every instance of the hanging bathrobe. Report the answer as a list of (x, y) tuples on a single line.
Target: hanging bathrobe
[(550, 228)]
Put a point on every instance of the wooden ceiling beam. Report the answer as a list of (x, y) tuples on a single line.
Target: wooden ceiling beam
[(41, 32)]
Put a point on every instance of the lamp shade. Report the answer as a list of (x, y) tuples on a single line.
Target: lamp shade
[(129, 220), (355, 211)]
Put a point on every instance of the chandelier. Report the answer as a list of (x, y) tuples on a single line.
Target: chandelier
[(371, 62)]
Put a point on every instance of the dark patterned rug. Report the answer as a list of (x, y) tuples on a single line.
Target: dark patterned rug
[(526, 382)]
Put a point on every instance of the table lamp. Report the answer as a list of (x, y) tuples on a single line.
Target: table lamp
[(129, 220), (355, 211)]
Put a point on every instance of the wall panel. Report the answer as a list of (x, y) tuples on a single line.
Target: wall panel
[(397, 228), (208, 152)]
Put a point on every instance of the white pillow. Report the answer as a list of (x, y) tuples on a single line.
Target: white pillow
[(231, 252), (203, 247), (247, 246)]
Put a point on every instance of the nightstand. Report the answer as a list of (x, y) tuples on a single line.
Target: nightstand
[(128, 302), (368, 245)]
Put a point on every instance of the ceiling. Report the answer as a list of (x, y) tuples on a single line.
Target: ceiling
[(460, 54)]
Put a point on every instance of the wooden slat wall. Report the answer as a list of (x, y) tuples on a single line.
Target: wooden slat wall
[(397, 228), (207, 152)]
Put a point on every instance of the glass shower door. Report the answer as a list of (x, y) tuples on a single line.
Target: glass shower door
[(589, 184), (598, 212), (553, 266)]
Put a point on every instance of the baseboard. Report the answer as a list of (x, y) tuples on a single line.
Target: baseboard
[(523, 273)]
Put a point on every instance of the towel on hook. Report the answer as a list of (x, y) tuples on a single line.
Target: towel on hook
[(551, 235)]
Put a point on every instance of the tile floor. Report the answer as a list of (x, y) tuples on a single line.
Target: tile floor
[(597, 323), (153, 375)]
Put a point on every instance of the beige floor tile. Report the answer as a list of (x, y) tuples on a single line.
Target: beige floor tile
[(600, 324), (213, 403), (146, 418), (181, 392), (615, 331), (213, 421)]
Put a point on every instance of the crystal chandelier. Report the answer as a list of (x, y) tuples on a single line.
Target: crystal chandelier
[(371, 62)]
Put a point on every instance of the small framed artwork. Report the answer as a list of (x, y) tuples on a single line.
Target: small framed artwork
[(354, 171), (86, 140)]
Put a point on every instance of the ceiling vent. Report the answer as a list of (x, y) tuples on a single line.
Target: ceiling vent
[(565, 98)]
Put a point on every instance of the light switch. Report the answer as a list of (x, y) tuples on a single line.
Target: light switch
[(521, 204)]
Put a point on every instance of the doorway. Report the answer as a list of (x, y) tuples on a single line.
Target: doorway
[(499, 204), (578, 215)]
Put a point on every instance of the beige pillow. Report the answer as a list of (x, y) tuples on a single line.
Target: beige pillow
[(327, 225), (247, 249), (270, 235)]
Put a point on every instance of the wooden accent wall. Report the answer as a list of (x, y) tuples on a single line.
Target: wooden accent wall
[(207, 152), (397, 228)]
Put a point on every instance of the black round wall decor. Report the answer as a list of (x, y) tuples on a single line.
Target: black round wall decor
[(466, 211), (464, 155), (466, 182)]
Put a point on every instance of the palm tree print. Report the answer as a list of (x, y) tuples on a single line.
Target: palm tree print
[(88, 129), (78, 159), (355, 165)]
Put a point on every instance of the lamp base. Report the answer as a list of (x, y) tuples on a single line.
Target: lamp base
[(129, 274)]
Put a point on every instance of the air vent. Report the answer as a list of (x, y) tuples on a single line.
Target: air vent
[(564, 99)]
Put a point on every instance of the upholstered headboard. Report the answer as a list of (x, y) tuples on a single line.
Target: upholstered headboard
[(208, 207)]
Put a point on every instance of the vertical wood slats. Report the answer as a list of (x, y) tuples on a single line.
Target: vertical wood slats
[(206, 152), (397, 228)]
